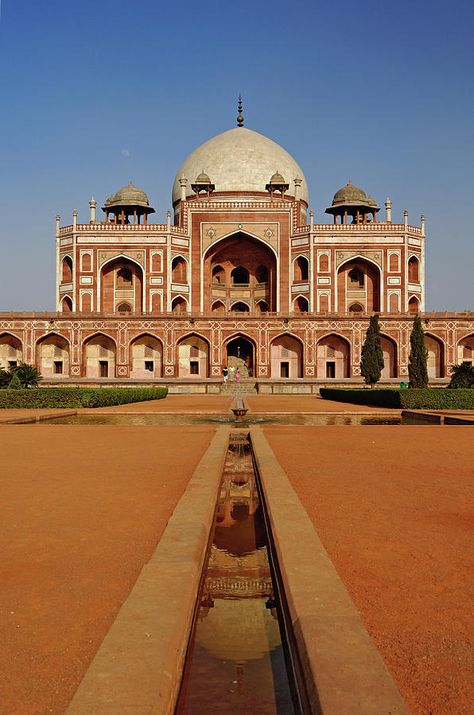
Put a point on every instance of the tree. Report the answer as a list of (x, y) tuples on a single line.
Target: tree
[(28, 375), (417, 362), (462, 375), (15, 383), (372, 362)]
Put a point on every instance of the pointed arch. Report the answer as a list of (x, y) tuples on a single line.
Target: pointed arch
[(53, 355), (179, 269), (286, 356), (114, 287), (179, 305), (11, 350), (390, 356), (193, 355), (414, 269), (66, 304), (66, 269), (99, 352), (414, 305), (146, 356), (436, 355), (333, 353), (241, 352), (300, 269), (465, 349), (218, 307), (240, 306), (360, 282), (300, 304)]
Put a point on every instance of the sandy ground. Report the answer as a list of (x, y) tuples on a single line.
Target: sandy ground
[(82, 510), (394, 507)]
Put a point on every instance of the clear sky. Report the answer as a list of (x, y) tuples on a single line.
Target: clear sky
[(95, 93)]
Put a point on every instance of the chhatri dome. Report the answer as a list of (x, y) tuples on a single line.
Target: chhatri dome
[(240, 160)]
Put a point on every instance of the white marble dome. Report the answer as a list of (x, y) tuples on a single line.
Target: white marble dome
[(240, 160)]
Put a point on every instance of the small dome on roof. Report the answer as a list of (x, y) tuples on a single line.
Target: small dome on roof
[(129, 195), (371, 201), (277, 178), (349, 194), (202, 178)]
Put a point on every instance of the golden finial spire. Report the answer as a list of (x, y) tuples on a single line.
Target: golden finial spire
[(240, 116)]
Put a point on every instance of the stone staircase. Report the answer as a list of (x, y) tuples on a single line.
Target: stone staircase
[(246, 386)]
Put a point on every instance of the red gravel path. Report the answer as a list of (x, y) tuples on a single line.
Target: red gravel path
[(394, 507)]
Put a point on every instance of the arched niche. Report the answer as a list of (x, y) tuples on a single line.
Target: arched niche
[(239, 268), (11, 351), (179, 270), (286, 356), (66, 270), (218, 308), (121, 281), (261, 307), (99, 356), (52, 356), (193, 357), (179, 305), (146, 357), (333, 357), (239, 307), (241, 354), (466, 350), (66, 305), (413, 305), (413, 270), (435, 359), (358, 281), (356, 308), (300, 269), (389, 350), (324, 263), (124, 307), (300, 304)]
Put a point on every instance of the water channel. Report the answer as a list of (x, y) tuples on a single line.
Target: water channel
[(237, 659)]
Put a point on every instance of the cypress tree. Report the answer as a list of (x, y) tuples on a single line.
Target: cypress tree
[(372, 362), (417, 363)]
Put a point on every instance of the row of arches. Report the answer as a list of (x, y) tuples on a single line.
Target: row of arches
[(333, 354)]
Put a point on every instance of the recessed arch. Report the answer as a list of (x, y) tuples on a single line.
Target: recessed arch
[(414, 305), (286, 356), (359, 280), (52, 355), (218, 308), (262, 307), (11, 351), (146, 356), (240, 306), (435, 348), (236, 233), (414, 269), (114, 285), (356, 308), (124, 307), (300, 304), (300, 269), (389, 350), (66, 269), (333, 356), (99, 352), (240, 276), (465, 349), (66, 304), (241, 352), (193, 356), (179, 269), (179, 305), (261, 274)]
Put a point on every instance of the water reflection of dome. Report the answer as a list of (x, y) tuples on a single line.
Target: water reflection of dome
[(239, 630)]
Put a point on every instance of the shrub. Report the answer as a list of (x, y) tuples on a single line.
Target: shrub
[(5, 378), (75, 397), (433, 398), (462, 375), (15, 383)]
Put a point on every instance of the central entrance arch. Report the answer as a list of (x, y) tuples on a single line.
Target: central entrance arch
[(241, 354)]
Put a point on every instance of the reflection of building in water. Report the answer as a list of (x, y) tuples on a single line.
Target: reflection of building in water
[(241, 274)]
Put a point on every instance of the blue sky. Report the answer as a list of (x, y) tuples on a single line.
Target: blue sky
[(95, 93)]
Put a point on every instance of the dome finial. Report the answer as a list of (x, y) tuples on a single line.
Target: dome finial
[(240, 116)]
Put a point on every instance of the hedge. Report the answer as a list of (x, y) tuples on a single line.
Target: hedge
[(436, 398), (66, 397)]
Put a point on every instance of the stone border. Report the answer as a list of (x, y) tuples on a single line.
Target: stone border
[(139, 664), (342, 669)]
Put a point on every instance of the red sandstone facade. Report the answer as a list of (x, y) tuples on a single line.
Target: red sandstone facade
[(238, 277)]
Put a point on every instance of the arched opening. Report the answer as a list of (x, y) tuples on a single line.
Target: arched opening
[(393, 263), (413, 306), (300, 304), (11, 351), (86, 303), (239, 268), (261, 307), (66, 305), (124, 308), (466, 350), (262, 274), (435, 360), (66, 274), (146, 357), (218, 308), (286, 357), (240, 276), (179, 270), (239, 307), (333, 354), (218, 274), (389, 350), (413, 270), (193, 357), (358, 281), (53, 356), (300, 269), (356, 308), (156, 263), (179, 305), (121, 282), (99, 356), (240, 354)]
